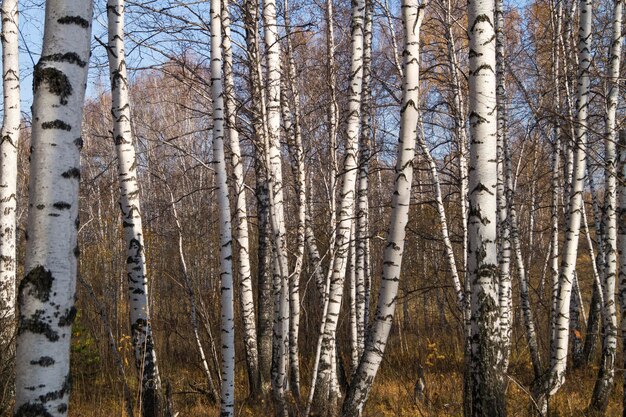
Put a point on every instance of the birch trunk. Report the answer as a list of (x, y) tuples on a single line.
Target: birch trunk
[(143, 343), (274, 163), (346, 214), (47, 292), (246, 297), (265, 303), (606, 372), (300, 179), (412, 16), (622, 247), (559, 342), (227, 394), (10, 135), (488, 397), (505, 300)]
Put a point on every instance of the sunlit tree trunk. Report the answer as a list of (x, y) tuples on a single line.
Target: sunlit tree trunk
[(488, 396), (321, 403), (505, 299), (8, 171), (300, 180), (47, 292), (559, 342), (622, 247), (606, 372), (277, 216), (259, 125), (246, 297), (227, 394), (143, 342), (412, 16)]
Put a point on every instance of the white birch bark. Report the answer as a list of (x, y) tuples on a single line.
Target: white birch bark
[(277, 216), (141, 329), (47, 292), (559, 343), (606, 372), (487, 388), (321, 402), (246, 297), (227, 394), (412, 16), (9, 139), (300, 180), (504, 243), (621, 172)]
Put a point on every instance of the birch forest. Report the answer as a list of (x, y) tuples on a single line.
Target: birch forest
[(312, 208)]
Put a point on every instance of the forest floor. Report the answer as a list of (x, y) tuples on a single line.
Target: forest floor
[(392, 394)]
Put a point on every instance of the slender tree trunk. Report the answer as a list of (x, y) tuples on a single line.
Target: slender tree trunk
[(241, 213), (321, 404), (622, 247), (362, 215), (559, 342), (488, 397), (143, 342), (412, 14), (606, 372), (265, 302), (192, 301), (227, 394), (47, 292), (505, 299), (300, 179), (10, 135)]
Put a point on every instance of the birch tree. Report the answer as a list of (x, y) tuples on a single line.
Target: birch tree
[(606, 372), (47, 292), (10, 135), (321, 403), (487, 389), (227, 394), (246, 297), (140, 323), (621, 172), (560, 339), (412, 16)]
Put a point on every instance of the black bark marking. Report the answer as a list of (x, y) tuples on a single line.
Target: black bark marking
[(35, 324), (69, 57), (57, 81), (56, 124), (68, 318), (74, 20), (72, 173), (79, 143), (62, 205), (32, 410), (44, 361), (39, 283)]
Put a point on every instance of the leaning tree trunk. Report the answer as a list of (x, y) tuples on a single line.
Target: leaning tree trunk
[(321, 403), (606, 372), (412, 14), (560, 339), (226, 252), (246, 297), (143, 343), (487, 388), (47, 292)]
